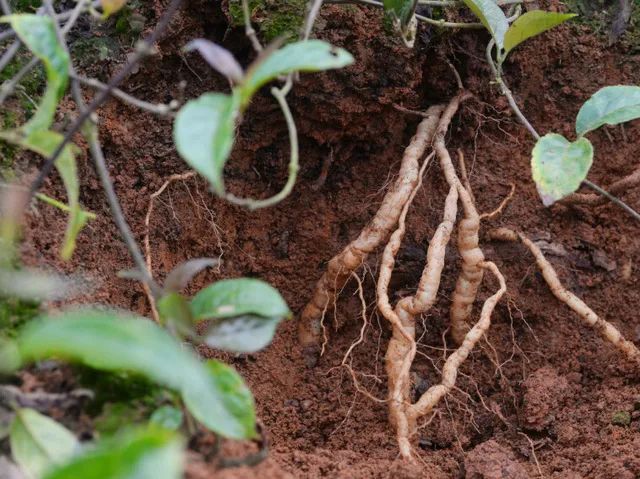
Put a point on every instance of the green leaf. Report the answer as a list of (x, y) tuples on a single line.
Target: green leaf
[(402, 14), (142, 453), (403, 10), (559, 166), (39, 442), (237, 397), (531, 24), (38, 33), (492, 17), (167, 417), (237, 297), (309, 56), (203, 133), (44, 143), (609, 106), (241, 334), (108, 341), (175, 313)]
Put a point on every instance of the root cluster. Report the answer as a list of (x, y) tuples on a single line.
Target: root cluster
[(388, 226)]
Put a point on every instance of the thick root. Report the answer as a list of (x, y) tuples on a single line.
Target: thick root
[(402, 347), (450, 369), (375, 233), (606, 330), (472, 256)]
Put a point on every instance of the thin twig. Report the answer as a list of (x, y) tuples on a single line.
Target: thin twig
[(155, 108), (95, 148), (314, 9), (422, 18), (9, 54), (248, 28), (612, 198), (143, 49), (9, 86)]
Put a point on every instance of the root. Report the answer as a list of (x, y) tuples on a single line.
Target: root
[(375, 233), (501, 206), (146, 242), (472, 256), (606, 330), (620, 186), (450, 369)]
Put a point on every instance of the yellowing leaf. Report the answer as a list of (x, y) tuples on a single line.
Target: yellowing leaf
[(109, 7), (559, 166)]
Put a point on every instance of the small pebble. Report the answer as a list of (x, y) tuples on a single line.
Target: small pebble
[(306, 404)]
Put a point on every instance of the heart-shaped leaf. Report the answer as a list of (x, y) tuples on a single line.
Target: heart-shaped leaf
[(609, 106), (530, 24), (44, 143), (220, 59), (142, 453), (38, 33), (559, 166), (203, 133), (109, 341), (309, 56), (39, 442), (492, 17), (241, 334), (237, 297)]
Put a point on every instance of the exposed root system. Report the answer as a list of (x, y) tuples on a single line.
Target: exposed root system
[(401, 351)]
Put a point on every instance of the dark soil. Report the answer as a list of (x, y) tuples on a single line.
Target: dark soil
[(538, 397)]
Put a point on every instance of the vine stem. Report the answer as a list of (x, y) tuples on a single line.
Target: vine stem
[(504, 88), (91, 135), (280, 94), (422, 18), (142, 49)]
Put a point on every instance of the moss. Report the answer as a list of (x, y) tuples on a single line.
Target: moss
[(598, 15), (621, 418), (271, 18), (14, 313), (86, 51)]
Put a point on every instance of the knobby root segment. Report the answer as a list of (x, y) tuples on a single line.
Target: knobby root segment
[(606, 330), (472, 256), (375, 233)]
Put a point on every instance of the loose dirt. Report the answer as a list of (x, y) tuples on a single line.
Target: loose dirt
[(542, 388)]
